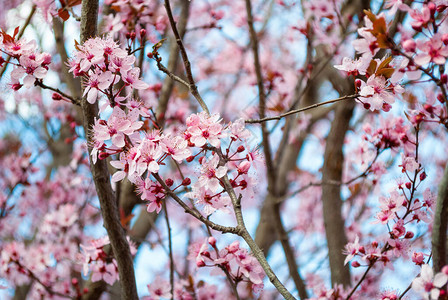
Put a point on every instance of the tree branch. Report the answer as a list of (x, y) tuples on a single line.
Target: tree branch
[(439, 229), (101, 178), (192, 85), (295, 111)]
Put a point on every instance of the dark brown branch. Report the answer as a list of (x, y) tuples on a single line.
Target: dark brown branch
[(262, 99), (46, 87), (192, 85), (168, 82), (101, 178), (439, 229), (331, 198), (295, 111)]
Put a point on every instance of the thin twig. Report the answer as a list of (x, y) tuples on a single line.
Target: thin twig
[(194, 213), (251, 121), (262, 98), (192, 85), (170, 249), (46, 87)]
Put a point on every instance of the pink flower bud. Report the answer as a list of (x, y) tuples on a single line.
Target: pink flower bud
[(169, 182), (186, 181), (409, 235), (200, 263), (56, 97), (142, 32), (212, 241), (445, 38), (240, 149), (445, 269), (422, 176), (355, 264), (408, 185), (362, 250), (103, 155), (409, 45)]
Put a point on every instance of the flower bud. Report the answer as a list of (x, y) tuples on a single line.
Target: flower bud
[(56, 97), (200, 263), (186, 181), (142, 33), (432, 8), (445, 270), (409, 235), (429, 108), (190, 158), (103, 155), (169, 182), (240, 149), (16, 86), (408, 185), (74, 281), (409, 45), (212, 241), (355, 264), (422, 176)]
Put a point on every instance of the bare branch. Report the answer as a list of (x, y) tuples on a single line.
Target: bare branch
[(295, 111), (439, 229), (262, 98), (192, 85)]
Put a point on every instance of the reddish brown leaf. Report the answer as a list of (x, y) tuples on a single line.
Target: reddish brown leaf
[(63, 14)]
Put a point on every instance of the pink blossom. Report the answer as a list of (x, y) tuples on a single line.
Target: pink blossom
[(97, 81), (433, 50), (428, 285), (130, 78), (376, 91), (107, 272)]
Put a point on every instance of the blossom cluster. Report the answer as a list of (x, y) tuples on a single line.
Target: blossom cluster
[(126, 13), (29, 64), (98, 262), (237, 261), (411, 56), (104, 64)]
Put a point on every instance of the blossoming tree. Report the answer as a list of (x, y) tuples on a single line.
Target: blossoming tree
[(290, 149)]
